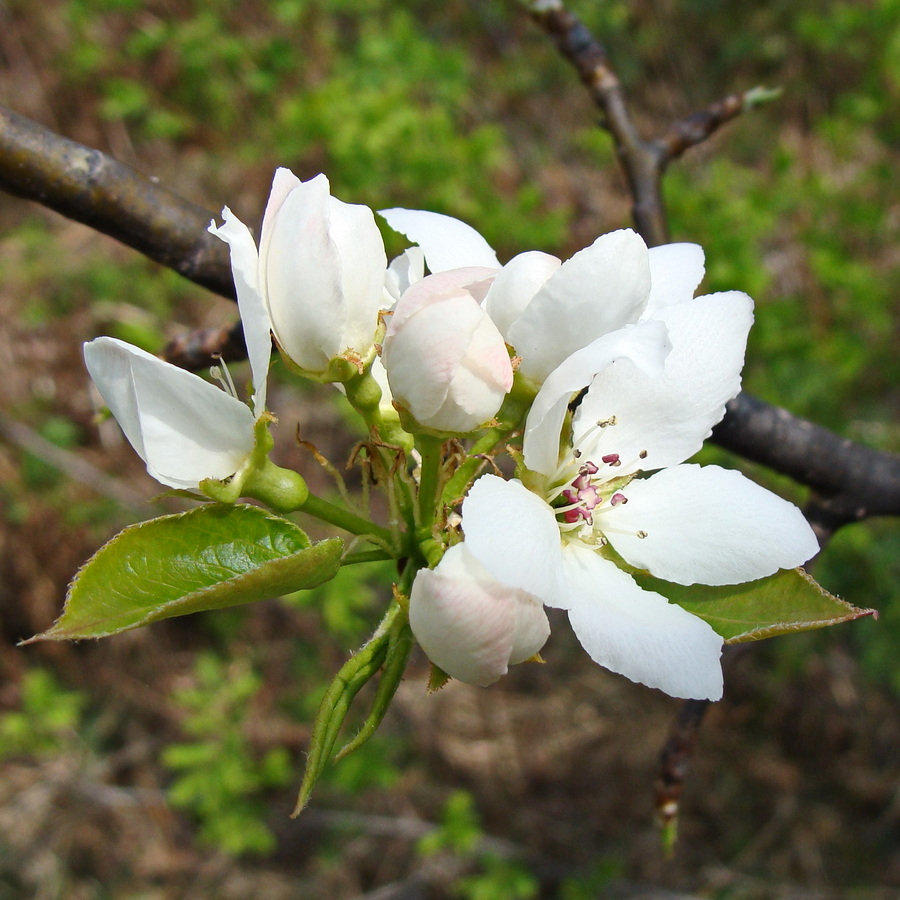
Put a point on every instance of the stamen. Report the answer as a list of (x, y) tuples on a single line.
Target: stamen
[(221, 374), (611, 459), (641, 534), (618, 499)]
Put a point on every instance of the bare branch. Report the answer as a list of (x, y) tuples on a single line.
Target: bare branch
[(90, 187), (642, 160), (696, 128), (851, 481), (201, 348)]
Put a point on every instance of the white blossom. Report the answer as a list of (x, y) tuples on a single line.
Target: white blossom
[(683, 523)]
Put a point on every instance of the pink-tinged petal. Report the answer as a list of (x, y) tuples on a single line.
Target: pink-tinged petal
[(532, 628), (252, 307), (363, 266), (514, 534), (646, 345), (448, 243), (675, 272), (469, 624), (638, 633), (446, 362), (423, 349), (480, 382), (183, 427), (599, 290), (670, 415), (444, 285), (513, 289), (708, 525), (301, 278)]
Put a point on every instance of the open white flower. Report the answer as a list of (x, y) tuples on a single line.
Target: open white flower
[(684, 524), (184, 428), (547, 309)]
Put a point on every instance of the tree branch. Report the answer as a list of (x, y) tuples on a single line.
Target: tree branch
[(97, 190), (643, 161), (851, 481)]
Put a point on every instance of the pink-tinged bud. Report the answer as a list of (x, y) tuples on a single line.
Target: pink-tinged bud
[(469, 624), (322, 273), (447, 363)]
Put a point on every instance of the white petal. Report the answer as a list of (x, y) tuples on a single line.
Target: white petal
[(363, 268), (183, 427), (646, 345), (403, 272), (670, 416), (600, 289), (514, 534), (675, 272), (638, 633), (448, 243), (513, 289), (283, 183), (302, 278), (469, 624), (532, 628), (252, 307), (708, 525)]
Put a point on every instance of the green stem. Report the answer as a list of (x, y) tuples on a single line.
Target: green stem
[(343, 518), (429, 480), (364, 556)]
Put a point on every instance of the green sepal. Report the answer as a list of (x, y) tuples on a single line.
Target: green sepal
[(788, 601), (339, 369), (349, 681), (399, 648), (258, 477), (437, 678), (208, 558)]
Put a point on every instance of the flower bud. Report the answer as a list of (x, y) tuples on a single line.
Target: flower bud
[(447, 363), (322, 273), (469, 624)]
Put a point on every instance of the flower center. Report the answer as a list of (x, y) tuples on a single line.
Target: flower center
[(583, 500)]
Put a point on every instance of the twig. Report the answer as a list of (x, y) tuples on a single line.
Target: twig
[(97, 190), (643, 161), (851, 481), (203, 347), (697, 127)]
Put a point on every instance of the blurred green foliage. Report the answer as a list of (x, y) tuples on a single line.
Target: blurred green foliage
[(219, 777), (48, 718), (459, 834)]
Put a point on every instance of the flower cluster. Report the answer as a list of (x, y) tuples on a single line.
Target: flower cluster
[(600, 375)]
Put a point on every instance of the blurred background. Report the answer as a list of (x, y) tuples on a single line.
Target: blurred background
[(163, 763)]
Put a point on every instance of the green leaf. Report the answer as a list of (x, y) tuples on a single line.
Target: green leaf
[(208, 558), (783, 603)]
